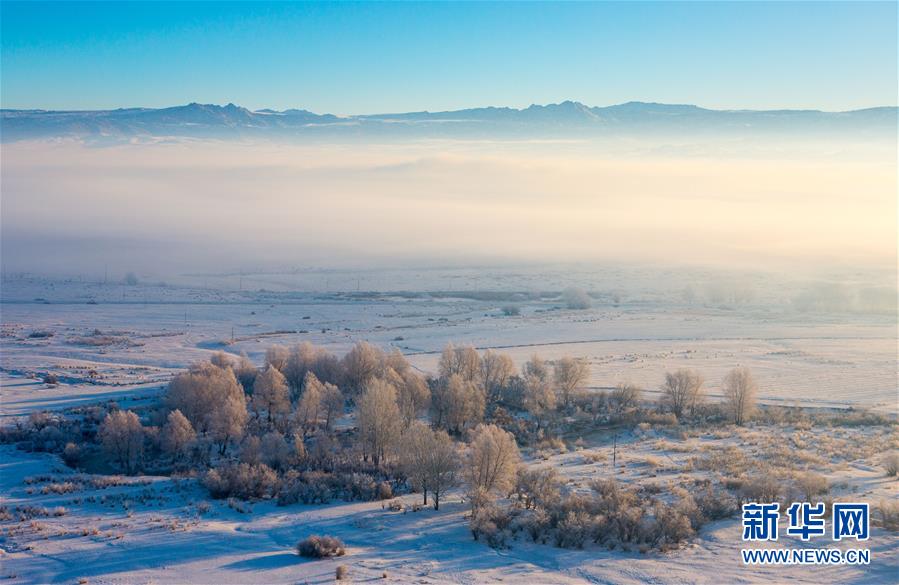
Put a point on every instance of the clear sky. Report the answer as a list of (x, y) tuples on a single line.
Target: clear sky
[(365, 58)]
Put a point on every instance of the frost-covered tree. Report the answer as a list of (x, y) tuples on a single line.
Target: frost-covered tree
[(251, 450), (457, 404), (309, 408), (275, 451), (538, 488), (306, 357), (493, 461), (200, 392), (430, 460), (378, 418), (539, 398), (496, 371), (413, 394), (220, 359), (228, 420), (245, 372), (332, 404), (461, 361), (271, 397), (740, 390), (682, 390), (177, 435), (122, 437), (360, 366), (569, 376), (277, 356)]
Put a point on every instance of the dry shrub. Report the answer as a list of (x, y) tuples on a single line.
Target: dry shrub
[(761, 488), (891, 464), (886, 515), (811, 484), (320, 547)]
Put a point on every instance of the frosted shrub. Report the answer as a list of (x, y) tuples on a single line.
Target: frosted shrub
[(761, 489), (891, 464), (715, 504), (573, 530), (320, 547), (240, 480)]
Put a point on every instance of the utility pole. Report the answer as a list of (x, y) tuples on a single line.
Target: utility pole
[(614, 449)]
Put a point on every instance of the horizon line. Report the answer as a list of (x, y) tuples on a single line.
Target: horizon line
[(426, 111)]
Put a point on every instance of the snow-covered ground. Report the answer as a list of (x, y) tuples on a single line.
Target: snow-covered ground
[(110, 342), (142, 334)]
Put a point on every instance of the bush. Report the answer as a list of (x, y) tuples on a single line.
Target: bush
[(320, 547), (715, 504), (671, 527), (886, 515), (573, 530), (51, 379), (811, 485), (489, 521), (71, 455), (891, 464), (342, 572), (760, 489), (240, 480)]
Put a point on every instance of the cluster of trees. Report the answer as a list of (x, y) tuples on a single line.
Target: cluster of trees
[(274, 415), (281, 431), (682, 393)]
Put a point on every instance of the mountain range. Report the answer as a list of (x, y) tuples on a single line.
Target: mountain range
[(564, 119)]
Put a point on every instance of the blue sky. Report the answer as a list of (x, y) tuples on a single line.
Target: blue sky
[(364, 58)]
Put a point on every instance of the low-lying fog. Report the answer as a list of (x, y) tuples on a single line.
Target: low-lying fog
[(171, 207)]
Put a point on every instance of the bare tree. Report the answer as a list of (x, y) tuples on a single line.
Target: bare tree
[(122, 437), (177, 435), (430, 459), (462, 361), (457, 404), (740, 390), (493, 461), (570, 375), (496, 370), (271, 396), (625, 396), (378, 418), (682, 390)]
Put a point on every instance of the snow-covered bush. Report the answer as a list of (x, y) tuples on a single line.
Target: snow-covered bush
[(240, 480), (320, 547)]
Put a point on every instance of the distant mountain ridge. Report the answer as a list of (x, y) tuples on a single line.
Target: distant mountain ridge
[(562, 119)]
